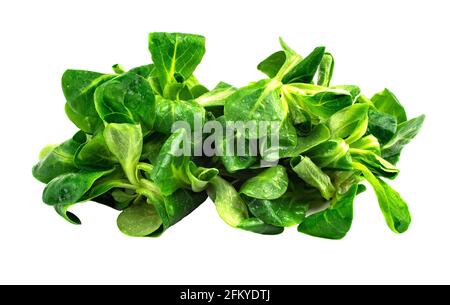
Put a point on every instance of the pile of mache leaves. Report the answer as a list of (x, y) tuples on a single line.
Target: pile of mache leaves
[(332, 138)]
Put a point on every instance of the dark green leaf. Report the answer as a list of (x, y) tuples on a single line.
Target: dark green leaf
[(304, 71), (286, 211), (176, 55), (169, 112), (334, 222), (70, 188), (59, 160), (318, 135), (394, 208), (256, 225), (272, 64), (79, 87), (258, 102), (405, 133), (382, 125), (127, 99), (272, 183)]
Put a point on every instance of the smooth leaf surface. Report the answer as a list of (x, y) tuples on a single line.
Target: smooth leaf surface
[(59, 160), (70, 188), (127, 99), (385, 101), (286, 211), (139, 220), (176, 55), (406, 132), (78, 88), (334, 222), (272, 183), (394, 208)]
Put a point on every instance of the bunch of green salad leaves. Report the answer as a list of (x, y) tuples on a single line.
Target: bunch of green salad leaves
[(125, 154)]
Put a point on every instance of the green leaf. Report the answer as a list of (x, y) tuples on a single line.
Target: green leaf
[(382, 125), (332, 154), (350, 123), (313, 175), (230, 206), (272, 64), (139, 220), (404, 135), (319, 101), (232, 159), (385, 101), (326, 69), (152, 147), (369, 143), (169, 112), (171, 164), (174, 169), (256, 225), (79, 87), (258, 102), (394, 208), (334, 222), (70, 188), (176, 55), (125, 143), (354, 91), (217, 96), (286, 211), (182, 203), (375, 163), (59, 160), (318, 135), (304, 71), (127, 99), (63, 211), (200, 177), (94, 154), (272, 183)]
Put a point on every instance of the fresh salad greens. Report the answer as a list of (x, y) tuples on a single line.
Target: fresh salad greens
[(127, 154)]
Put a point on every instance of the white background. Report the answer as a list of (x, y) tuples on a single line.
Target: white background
[(402, 45)]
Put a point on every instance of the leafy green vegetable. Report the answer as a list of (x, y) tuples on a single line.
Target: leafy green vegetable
[(79, 88), (128, 99), (313, 175), (153, 143), (406, 131), (386, 102), (286, 211), (70, 188), (383, 126), (326, 70), (269, 184), (141, 219), (334, 222), (125, 143), (394, 208), (59, 160)]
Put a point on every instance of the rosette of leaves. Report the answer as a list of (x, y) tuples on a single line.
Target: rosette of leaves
[(126, 154)]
